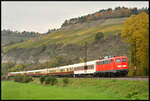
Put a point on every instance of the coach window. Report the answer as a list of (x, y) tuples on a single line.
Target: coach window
[(89, 67), (105, 62), (117, 60), (123, 59)]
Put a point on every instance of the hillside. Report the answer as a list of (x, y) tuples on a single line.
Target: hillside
[(74, 34), (11, 37), (68, 42), (118, 12)]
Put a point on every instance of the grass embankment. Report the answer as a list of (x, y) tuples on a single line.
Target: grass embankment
[(77, 89)]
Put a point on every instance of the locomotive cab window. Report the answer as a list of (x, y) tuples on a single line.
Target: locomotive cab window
[(123, 59), (117, 60)]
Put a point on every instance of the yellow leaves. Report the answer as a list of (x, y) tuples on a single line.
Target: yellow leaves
[(136, 30)]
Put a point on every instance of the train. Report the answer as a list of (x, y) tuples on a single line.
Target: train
[(103, 67)]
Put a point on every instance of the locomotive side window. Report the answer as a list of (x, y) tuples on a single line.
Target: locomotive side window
[(123, 59), (117, 60)]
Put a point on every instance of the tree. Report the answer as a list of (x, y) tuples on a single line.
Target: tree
[(117, 8), (136, 33), (99, 36), (109, 9), (6, 68), (17, 67), (56, 61), (134, 11)]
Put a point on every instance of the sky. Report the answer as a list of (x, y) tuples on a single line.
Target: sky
[(40, 16)]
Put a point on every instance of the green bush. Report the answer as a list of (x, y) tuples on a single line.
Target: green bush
[(27, 79), (22, 78), (19, 78), (3, 77), (65, 81), (99, 36), (131, 94), (51, 80), (42, 79)]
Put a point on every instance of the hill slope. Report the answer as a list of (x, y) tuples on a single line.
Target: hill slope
[(11, 37), (74, 34), (68, 42)]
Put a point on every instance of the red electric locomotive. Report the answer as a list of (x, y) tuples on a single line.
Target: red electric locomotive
[(113, 66)]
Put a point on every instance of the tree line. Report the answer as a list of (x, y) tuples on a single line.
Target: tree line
[(106, 13), (17, 33)]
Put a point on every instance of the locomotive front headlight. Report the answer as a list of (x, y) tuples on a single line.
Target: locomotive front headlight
[(119, 66), (124, 66)]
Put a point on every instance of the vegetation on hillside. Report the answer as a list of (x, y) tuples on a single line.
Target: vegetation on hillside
[(68, 37), (11, 37), (136, 33), (105, 14)]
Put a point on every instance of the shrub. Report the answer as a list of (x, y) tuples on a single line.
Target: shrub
[(3, 77), (51, 80), (27, 79), (42, 79), (18, 78), (99, 36), (65, 81), (130, 94), (22, 78)]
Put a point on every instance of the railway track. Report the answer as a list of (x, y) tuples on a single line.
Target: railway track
[(127, 78), (140, 78)]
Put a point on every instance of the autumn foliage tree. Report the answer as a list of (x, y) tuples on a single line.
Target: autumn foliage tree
[(136, 33)]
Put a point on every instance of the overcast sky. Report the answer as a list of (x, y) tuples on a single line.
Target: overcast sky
[(41, 16)]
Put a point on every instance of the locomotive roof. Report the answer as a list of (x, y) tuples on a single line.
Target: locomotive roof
[(113, 58)]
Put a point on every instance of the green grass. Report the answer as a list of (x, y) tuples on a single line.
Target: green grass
[(77, 89)]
